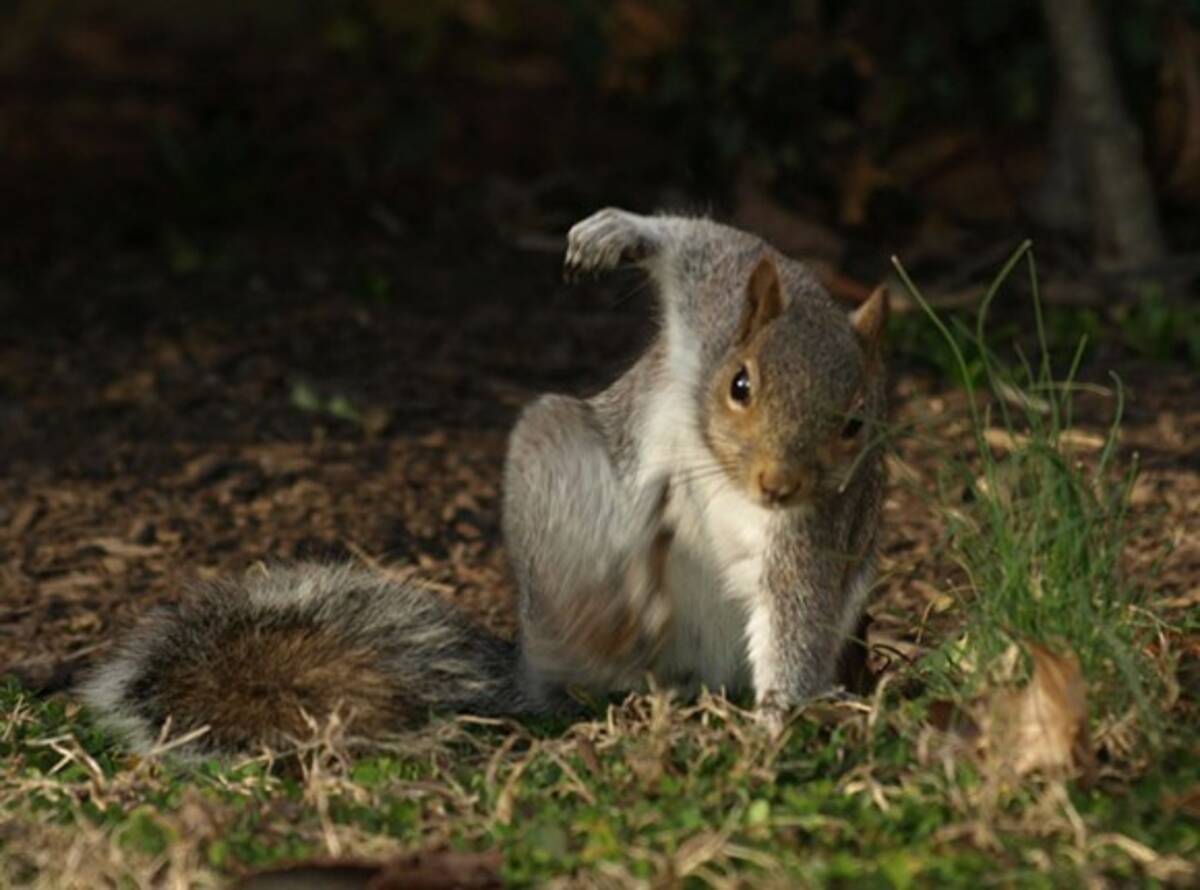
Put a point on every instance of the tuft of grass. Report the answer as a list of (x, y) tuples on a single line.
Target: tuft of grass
[(1038, 525)]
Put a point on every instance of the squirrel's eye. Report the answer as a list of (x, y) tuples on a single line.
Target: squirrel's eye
[(739, 389), (854, 423)]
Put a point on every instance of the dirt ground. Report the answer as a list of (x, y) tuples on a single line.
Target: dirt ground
[(136, 456), (234, 328)]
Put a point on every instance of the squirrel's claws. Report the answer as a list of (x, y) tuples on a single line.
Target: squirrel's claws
[(605, 240)]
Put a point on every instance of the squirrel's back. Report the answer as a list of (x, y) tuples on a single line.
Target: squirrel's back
[(255, 661)]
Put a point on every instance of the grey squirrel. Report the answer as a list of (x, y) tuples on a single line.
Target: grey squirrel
[(708, 519)]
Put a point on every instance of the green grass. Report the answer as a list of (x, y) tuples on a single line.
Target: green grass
[(863, 793), (654, 792), (1037, 526)]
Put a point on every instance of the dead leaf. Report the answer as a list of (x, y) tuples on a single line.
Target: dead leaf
[(123, 549), (1069, 440), (24, 518), (946, 716), (1003, 440), (135, 387), (1185, 601), (646, 30), (1042, 727), (68, 584), (863, 178), (1186, 802), (587, 753)]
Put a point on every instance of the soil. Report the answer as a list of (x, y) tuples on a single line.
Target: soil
[(137, 457)]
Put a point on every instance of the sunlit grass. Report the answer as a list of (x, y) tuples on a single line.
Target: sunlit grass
[(1037, 518)]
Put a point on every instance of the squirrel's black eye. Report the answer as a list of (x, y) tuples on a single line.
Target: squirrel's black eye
[(854, 424), (739, 389)]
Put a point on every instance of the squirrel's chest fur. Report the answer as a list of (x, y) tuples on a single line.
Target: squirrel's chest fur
[(715, 562)]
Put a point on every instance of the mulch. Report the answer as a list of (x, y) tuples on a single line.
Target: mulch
[(135, 458)]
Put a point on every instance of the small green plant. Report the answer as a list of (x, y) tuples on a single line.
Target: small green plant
[(1037, 529), (306, 398), (1161, 329)]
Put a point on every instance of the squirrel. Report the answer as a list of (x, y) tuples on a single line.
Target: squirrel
[(709, 519)]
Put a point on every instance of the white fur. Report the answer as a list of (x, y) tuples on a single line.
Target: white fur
[(106, 693), (760, 642), (859, 589), (714, 568)]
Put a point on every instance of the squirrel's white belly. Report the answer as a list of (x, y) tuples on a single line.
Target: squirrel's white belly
[(712, 576)]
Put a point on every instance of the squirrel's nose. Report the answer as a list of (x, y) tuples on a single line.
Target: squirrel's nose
[(775, 487)]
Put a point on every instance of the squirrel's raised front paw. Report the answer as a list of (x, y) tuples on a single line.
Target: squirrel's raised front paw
[(605, 240)]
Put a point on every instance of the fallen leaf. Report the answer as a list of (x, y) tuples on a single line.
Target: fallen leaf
[(646, 29), (1042, 727), (24, 518), (1184, 601), (67, 584), (1186, 802), (135, 387), (123, 549), (946, 716), (863, 178), (587, 753)]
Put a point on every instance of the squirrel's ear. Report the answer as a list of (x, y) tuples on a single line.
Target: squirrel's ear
[(869, 319), (764, 299)]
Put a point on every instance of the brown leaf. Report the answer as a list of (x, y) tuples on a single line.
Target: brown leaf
[(1186, 802), (24, 518), (946, 716), (861, 181), (1185, 601), (587, 753), (1042, 727), (646, 29), (135, 387), (123, 549)]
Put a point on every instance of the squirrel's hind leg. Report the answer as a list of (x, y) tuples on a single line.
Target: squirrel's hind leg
[(588, 550)]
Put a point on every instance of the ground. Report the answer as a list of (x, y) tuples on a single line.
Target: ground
[(332, 424), (332, 427)]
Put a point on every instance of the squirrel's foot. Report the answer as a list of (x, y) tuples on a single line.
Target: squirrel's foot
[(773, 712), (607, 239), (625, 621)]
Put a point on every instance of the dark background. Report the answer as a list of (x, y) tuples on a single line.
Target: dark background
[(161, 158)]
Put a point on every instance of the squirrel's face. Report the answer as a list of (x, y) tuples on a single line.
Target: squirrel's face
[(799, 395)]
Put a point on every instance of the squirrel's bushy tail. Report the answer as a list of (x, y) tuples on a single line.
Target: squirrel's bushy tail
[(251, 660)]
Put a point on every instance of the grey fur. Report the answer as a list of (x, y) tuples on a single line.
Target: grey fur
[(795, 607), (431, 654)]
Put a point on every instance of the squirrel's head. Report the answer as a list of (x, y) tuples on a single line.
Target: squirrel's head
[(799, 394)]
